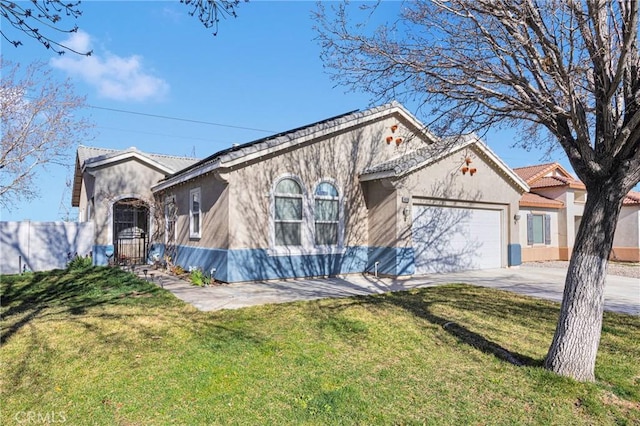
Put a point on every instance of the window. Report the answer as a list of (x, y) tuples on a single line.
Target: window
[(195, 214), (538, 229), (326, 212), (170, 217), (288, 213)]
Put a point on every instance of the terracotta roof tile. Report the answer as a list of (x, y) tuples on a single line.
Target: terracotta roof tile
[(529, 172), (632, 198), (537, 176), (534, 200)]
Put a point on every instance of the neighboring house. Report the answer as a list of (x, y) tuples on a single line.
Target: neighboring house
[(551, 212), (369, 191)]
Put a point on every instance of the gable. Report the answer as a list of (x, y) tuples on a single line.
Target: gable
[(92, 158), (421, 158), (471, 174), (548, 175)]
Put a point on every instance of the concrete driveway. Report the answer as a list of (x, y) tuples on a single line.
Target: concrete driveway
[(622, 294)]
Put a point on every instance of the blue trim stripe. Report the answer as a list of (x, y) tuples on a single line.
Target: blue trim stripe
[(258, 264), (99, 254), (393, 261), (205, 259)]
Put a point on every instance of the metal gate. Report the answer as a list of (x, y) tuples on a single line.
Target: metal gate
[(132, 250), (130, 228)]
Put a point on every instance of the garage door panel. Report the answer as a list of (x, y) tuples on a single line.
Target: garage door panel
[(447, 239)]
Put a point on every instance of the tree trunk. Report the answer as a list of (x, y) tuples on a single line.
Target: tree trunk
[(575, 343)]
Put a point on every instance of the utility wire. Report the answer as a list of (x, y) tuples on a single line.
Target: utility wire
[(159, 134), (181, 119), (166, 117)]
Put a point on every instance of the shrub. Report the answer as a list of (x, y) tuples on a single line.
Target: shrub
[(79, 262), (198, 278)]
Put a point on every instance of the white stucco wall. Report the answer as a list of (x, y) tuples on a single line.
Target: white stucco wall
[(42, 246), (628, 228)]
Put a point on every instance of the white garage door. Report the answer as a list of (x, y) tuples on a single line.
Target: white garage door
[(447, 239)]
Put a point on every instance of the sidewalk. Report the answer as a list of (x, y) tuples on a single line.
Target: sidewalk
[(622, 294)]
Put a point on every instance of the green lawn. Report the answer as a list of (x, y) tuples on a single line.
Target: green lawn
[(98, 346)]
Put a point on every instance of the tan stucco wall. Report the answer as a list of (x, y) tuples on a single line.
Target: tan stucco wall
[(129, 178), (625, 254), (214, 206), (339, 159), (383, 213), (540, 253), (86, 192)]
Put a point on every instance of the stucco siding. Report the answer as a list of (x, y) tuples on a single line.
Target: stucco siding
[(541, 252), (382, 214), (214, 207), (129, 178), (42, 246), (627, 231), (626, 241), (86, 192), (338, 159)]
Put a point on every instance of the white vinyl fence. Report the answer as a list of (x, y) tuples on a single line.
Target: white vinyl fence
[(42, 246)]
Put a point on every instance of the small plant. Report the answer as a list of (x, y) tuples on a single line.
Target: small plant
[(177, 270), (198, 278)]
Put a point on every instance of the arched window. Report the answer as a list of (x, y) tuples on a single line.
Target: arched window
[(288, 213), (326, 214)]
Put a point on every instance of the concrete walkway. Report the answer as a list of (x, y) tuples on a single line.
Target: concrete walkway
[(622, 294)]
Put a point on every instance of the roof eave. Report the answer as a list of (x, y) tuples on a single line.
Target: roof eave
[(168, 183), (541, 205), (386, 174), (125, 156)]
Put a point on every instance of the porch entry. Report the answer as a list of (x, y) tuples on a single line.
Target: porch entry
[(131, 231)]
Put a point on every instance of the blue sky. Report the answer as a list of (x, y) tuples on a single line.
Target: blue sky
[(261, 74)]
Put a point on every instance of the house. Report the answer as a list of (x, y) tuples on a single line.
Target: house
[(367, 191), (551, 212), (112, 188)]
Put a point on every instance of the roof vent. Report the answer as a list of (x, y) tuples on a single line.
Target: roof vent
[(235, 145)]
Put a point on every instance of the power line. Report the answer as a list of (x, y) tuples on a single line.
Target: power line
[(181, 119), (166, 117), (159, 134)]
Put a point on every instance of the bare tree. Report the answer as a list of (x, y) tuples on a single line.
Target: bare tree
[(210, 11), (563, 72), (42, 20), (39, 127), (39, 15)]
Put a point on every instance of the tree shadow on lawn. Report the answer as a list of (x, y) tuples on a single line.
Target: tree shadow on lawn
[(421, 303), (68, 296), (25, 298)]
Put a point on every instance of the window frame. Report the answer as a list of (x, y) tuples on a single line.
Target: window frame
[(337, 221), (308, 233), (275, 221), (193, 232), (546, 229)]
